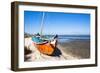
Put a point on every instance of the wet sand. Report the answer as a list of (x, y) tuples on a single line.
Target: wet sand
[(76, 48)]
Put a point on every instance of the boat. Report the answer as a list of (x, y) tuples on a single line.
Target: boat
[(44, 44)]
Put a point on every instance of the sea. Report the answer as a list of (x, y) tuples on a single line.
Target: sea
[(67, 38)]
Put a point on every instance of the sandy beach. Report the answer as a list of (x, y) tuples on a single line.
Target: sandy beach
[(76, 49)]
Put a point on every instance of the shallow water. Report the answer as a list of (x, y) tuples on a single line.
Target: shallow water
[(68, 38)]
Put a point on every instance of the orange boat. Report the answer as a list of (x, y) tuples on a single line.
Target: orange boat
[(45, 47)]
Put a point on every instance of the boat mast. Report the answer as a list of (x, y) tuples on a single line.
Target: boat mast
[(42, 22)]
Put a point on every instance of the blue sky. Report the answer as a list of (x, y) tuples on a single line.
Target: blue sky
[(57, 23)]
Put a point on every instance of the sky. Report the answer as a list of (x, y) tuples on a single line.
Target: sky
[(57, 23)]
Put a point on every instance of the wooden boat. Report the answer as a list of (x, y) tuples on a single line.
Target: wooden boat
[(44, 45)]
